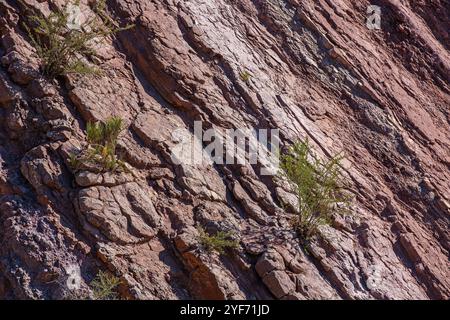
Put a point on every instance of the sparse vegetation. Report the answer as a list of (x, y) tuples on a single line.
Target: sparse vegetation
[(245, 76), (74, 162), (318, 185), (219, 242), (104, 286), (101, 150), (63, 49)]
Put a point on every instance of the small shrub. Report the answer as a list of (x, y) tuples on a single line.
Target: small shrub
[(245, 76), (62, 49), (101, 150), (219, 242), (104, 286), (318, 186)]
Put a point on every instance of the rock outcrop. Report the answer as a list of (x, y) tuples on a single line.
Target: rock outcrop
[(314, 70)]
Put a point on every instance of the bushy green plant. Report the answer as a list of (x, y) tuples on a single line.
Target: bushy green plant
[(62, 49), (104, 286), (102, 142), (219, 242), (317, 184)]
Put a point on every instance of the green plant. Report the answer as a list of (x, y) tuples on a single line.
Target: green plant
[(317, 184), (102, 143), (245, 76), (104, 133), (74, 162), (219, 242), (104, 286), (63, 49)]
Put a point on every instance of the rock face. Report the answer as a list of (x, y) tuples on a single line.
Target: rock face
[(315, 70)]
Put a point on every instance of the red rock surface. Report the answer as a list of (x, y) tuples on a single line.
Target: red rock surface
[(381, 96)]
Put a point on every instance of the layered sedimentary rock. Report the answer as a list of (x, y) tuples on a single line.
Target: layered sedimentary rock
[(382, 96)]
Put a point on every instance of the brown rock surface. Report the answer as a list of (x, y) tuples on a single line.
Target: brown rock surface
[(381, 96)]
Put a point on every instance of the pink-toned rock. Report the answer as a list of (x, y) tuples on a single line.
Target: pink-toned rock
[(279, 283), (269, 261), (380, 97)]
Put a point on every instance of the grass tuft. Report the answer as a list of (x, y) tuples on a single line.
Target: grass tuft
[(245, 76), (218, 242), (102, 143)]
